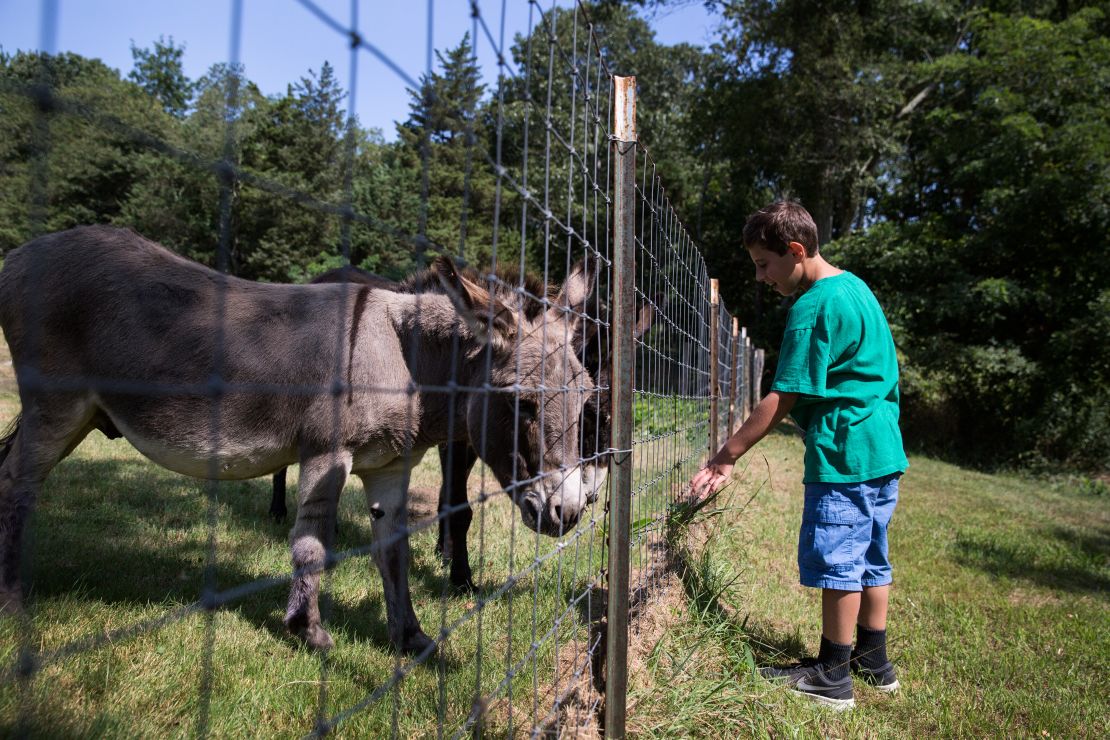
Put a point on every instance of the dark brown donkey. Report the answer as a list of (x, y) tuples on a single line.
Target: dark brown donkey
[(216, 377), (458, 458)]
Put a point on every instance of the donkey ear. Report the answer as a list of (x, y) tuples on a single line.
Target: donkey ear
[(474, 303), (646, 317), (576, 289), (452, 283)]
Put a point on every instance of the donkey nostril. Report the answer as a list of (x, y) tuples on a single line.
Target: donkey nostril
[(532, 508)]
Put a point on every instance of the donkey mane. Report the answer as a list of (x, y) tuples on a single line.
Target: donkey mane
[(505, 286)]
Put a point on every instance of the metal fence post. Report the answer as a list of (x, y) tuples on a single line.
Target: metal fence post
[(714, 363), (623, 302)]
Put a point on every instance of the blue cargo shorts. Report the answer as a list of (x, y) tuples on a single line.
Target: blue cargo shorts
[(842, 544)]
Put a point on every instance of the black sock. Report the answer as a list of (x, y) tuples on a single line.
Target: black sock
[(834, 658), (870, 649)]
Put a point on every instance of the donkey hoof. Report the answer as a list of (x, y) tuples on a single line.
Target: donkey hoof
[(417, 643), (313, 635), (464, 582), (11, 601), (317, 638)]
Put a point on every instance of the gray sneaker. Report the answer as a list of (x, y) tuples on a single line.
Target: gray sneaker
[(789, 674), (882, 678), (833, 693)]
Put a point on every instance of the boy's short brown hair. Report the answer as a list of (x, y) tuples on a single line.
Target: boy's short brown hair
[(776, 225)]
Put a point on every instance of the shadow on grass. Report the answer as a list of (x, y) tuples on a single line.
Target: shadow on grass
[(705, 586), (1068, 560), (123, 531)]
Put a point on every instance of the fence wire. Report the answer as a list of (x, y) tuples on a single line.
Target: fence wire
[(514, 385)]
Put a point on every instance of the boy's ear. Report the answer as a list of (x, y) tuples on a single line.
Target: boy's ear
[(797, 249)]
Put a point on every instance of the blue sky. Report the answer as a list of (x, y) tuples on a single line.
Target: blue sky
[(282, 39)]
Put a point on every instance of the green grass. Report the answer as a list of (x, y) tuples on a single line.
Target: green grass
[(117, 541), (999, 623)]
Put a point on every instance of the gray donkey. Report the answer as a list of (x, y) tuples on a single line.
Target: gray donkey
[(217, 377), (458, 457)]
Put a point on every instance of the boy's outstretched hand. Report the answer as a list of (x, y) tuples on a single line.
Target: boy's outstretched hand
[(709, 479)]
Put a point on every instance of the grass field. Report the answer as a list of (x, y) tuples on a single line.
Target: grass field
[(118, 542), (1000, 616), (1000, 622)]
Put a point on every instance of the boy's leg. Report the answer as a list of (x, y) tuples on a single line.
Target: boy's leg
[(830, 681), (873, 607), (839, 611), (869, 657)]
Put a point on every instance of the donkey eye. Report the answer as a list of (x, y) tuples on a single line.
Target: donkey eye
[(527, 411)]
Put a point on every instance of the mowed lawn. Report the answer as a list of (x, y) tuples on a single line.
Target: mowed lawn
[(999, 625)]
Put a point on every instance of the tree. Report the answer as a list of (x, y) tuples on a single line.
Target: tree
[(177, 199), (85, 152), (160, 72), (994, 230), (447, 137)]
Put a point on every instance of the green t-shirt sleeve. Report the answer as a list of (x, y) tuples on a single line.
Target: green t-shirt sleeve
[(803, 363)]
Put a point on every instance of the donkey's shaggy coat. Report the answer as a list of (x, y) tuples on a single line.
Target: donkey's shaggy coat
[(217, 377)]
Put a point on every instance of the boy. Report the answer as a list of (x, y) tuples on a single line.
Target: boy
[(838, 377)]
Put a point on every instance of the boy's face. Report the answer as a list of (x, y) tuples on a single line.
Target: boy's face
[(781, 271)]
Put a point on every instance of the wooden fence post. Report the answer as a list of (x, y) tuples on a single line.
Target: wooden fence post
[(714, 363), (737, 351), (757, 375), (746, 360)]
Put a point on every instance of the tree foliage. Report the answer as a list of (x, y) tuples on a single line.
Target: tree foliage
[(955, 155), (160, 73), (991, 238)]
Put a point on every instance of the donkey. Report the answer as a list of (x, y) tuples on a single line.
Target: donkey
[(456, 458), (216, 377), (346, 274)]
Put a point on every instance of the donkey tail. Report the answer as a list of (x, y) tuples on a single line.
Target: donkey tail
[(8, 438)]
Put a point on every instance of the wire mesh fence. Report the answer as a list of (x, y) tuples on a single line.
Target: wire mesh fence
[(546, 432)]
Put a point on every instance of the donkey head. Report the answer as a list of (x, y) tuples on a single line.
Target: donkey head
[(528, 428), (594, 346)]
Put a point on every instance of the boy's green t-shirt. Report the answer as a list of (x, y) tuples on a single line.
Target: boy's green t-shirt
[(838, 355)]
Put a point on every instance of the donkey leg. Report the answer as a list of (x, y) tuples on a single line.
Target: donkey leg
[(386, 495), (459, 522), (322, 479), (41, 439), (455, 462), (278, 510), (443, 539)]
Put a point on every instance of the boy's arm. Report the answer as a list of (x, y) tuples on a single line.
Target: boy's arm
[(771, 410)]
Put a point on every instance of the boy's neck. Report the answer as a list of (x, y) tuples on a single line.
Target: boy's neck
[(813, 269)]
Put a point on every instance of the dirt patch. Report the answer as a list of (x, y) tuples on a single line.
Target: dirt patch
[(577, 690), (655, 590)]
